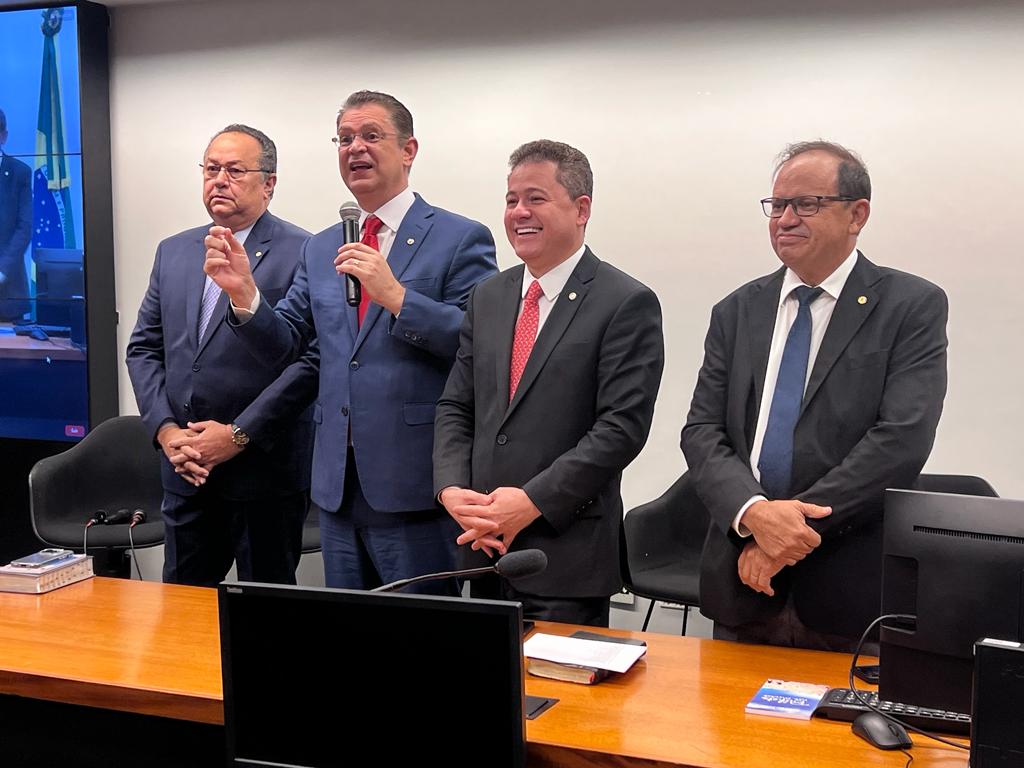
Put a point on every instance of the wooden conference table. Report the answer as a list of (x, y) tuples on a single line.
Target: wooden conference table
[(153, 649)]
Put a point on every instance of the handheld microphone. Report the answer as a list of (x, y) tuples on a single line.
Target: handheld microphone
[(349, 213), (513, 566), (138, 516), (117, 518)]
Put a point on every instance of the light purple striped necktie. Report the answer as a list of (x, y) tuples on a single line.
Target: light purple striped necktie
[(210, 295)]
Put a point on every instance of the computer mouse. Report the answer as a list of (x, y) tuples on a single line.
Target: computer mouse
[(879, 731)]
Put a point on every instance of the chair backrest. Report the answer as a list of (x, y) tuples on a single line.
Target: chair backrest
[(670, 529), (968, 485), (115, 466)]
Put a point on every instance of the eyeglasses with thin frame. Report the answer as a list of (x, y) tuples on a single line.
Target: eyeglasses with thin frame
[(345, 140), (804, 205), (234, 172)]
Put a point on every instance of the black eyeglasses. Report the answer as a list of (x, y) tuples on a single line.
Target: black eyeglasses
[(212, 171), (804, 205), (345, 140)]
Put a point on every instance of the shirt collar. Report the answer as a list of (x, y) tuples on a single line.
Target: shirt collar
[(832, 285), (393, 211), (553, 281)]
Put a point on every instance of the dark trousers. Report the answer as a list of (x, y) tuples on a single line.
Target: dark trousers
[(590, 611), (785, 629), (364, 548), (205, 533)]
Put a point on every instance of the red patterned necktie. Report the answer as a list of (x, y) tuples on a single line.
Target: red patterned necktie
[(370, 229), (526, 334)]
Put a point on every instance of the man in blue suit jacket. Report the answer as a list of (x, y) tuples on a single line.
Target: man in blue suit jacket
[(383, 365), (15, 231), (236, 433)]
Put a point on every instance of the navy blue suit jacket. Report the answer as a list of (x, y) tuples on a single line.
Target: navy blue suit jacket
[(381, 380), (178, 377), (15, 235)]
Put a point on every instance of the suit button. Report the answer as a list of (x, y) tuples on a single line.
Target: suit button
[(354, 364), (344, 410), (502, 439), (187, 407), (196, 368)]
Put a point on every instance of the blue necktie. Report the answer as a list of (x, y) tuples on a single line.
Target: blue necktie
[(776, 460), (211, 293)]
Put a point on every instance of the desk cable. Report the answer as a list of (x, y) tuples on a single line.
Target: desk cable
[(867, 703)]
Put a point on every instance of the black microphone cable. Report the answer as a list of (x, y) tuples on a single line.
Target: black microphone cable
[(99, 517), (138, 516)]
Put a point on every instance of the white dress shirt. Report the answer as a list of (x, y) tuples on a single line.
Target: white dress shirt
[(390, 214), (552, 283), (821, 314)]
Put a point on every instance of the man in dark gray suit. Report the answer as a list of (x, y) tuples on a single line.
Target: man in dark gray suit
[(822, 386), (551, 396), (15, 231)]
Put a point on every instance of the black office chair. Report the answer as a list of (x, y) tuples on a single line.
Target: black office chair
[(114, 467), (967, 485), (662, 543)]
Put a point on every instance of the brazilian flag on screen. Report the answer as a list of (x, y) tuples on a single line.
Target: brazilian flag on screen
[(51, 198)]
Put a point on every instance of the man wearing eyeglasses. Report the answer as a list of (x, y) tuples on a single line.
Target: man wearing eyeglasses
[(822, 386), (235, 433), (383, 364)]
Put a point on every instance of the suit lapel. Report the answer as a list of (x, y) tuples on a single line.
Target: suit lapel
[(556, 324), (408, 239), (504, 328), (856, 303), (763, 311), (5, 177), (195, 284), (257, 245)]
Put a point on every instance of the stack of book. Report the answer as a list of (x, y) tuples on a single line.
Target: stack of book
[(45, 578), (585, 657)]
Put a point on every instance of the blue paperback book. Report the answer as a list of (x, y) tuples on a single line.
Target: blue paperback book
[(780, 698)]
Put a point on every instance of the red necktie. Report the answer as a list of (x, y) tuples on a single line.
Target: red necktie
[(526, 334), (371, 226)]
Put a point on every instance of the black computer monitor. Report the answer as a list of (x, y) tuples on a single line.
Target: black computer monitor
[(317, 677), (60, 288), (957, 564)]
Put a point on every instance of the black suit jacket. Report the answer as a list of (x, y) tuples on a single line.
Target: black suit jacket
[(179, 377), (581, 413), (15, 235), (867, 423)]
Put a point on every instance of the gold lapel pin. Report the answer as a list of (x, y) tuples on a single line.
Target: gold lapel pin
[(410, 241), (572, 296), (862, 299), (258, 254)]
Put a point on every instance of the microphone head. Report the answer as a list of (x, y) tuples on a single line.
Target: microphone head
[(522, 564), (349, 211)]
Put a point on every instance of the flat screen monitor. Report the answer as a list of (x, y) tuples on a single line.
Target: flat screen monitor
[(58, 346), (957, 564), (322, 677)]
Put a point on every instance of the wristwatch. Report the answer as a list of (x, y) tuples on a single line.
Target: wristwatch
[(238, 437)]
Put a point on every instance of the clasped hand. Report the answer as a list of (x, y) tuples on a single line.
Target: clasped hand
[(491, 521), (195, 451)]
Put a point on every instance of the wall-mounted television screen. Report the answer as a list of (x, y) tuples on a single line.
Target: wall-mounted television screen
[(55, 248)]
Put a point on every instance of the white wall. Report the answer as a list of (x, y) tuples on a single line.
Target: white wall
[(680, 108)]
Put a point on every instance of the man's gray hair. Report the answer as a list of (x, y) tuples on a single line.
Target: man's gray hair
[(268, 150), (853, 180)]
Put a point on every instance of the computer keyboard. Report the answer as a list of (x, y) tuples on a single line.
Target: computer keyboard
[(843, 704)]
